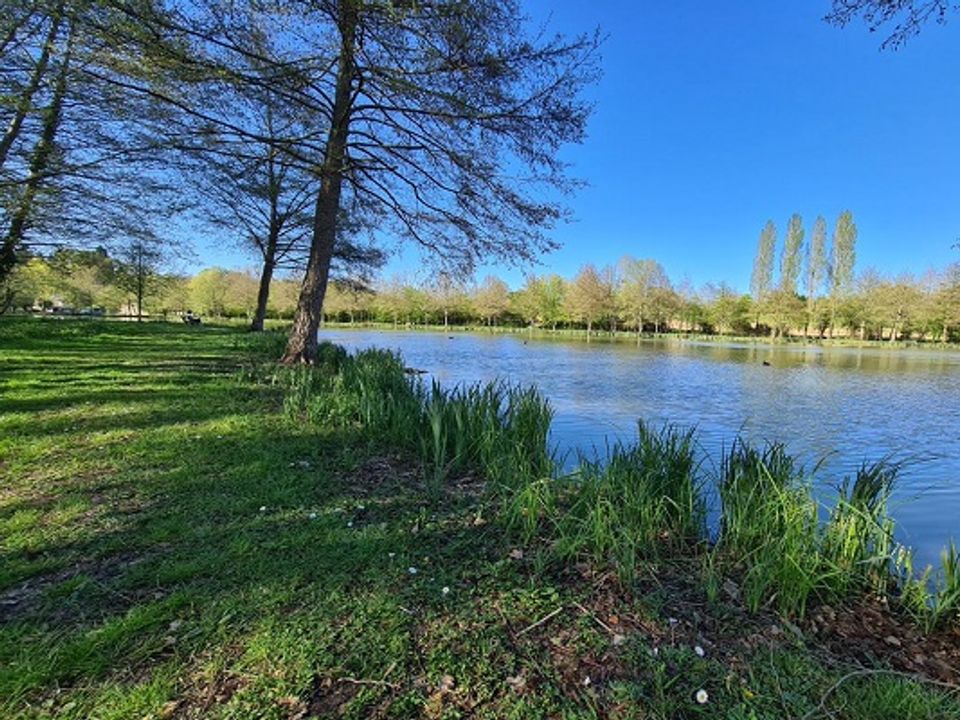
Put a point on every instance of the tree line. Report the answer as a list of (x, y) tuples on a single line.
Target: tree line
[(92, 282), (634, 295)]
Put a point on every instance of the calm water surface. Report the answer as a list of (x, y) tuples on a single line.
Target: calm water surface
[(844, 405)]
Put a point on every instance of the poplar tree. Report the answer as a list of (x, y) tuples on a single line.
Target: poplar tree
[(842, 259), (790, 257), (761, 281), (816, 266)]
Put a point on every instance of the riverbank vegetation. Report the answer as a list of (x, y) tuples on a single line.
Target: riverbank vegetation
[(190, 530)]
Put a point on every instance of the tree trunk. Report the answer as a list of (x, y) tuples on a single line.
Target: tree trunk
[(273, 236), (302, 345), (263, 294), (140, 283)]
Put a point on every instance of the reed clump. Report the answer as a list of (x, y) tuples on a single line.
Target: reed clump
[(494, 429), (771, 525), (645, 500), (642, 501)]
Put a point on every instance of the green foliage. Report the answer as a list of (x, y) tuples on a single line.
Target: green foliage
[(643, 501), (934, 601), (770, 522), (858, 537), (496, 430)]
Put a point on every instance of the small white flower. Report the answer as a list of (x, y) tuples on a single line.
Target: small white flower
[(313, 516), (360, 507), (391, 554), (350, 524), (586, 681), (446, 590), (698, 650), (412, 570), (655, 652), (263, 508), (672, 621), (701, 697)]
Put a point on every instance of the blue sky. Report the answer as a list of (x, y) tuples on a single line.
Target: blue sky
[(713, 117)]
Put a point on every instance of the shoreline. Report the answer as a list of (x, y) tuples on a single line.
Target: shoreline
[(626, 337)]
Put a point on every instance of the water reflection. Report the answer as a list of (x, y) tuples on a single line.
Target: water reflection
[(844, 405)]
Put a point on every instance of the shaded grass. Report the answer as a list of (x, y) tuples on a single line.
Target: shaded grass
[(176, 543)]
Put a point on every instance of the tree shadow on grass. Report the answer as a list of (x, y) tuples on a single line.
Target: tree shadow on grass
[(210, 518), (155, 408), (248, 539)]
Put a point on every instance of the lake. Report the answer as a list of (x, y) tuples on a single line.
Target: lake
[(837, 405)]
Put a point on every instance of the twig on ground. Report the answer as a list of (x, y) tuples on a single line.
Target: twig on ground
[(597, 620), (361, 681), (541, 621)]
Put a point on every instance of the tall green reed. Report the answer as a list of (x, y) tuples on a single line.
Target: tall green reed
[(642, 501)]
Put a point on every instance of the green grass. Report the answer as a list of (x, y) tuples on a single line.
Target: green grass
[(186, 531)]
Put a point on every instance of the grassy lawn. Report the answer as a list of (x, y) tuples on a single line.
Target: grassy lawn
[(174, 545)]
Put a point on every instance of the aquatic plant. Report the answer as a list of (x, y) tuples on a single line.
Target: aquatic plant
[(642, 501)]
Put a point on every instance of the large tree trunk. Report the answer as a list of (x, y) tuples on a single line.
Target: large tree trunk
[(302, 345), (140, 283)]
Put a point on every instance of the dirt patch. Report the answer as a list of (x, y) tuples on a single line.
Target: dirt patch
[(866, 632), (384, 473), (388, 473), (329, 697), (27, 598), (870, 631)]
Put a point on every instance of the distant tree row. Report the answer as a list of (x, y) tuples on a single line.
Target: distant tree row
[(635, 295), (638, 296), (85, 281)]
